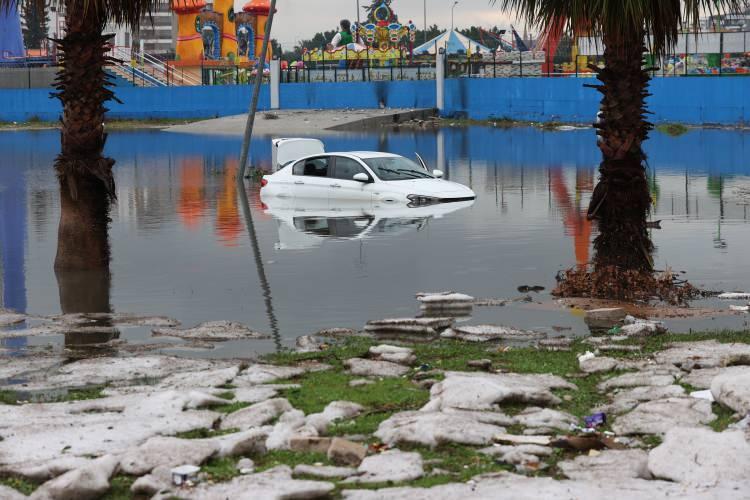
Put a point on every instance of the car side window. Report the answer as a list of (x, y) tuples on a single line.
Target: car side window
[(346, 169), (299, 168), (314, 167)]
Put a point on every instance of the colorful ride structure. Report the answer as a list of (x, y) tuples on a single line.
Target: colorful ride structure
[(217, 33), (381, 37)]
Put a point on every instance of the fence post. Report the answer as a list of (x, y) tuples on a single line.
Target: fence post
[(520, 63), (440, 80), (721, 51), (275, 89), (346, 54)]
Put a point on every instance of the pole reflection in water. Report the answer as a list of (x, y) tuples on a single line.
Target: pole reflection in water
[(262, 278)]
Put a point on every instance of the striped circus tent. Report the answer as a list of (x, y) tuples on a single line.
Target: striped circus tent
[(454, 43)]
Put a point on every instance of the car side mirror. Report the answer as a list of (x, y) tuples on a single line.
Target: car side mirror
[(361, 177), (438, 174)]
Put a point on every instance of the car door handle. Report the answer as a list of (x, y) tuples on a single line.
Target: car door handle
[(335, 185), (299, 183)]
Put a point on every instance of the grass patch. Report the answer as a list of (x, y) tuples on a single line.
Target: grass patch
[(204, 433), (119, 488), (290, 458), (228, 395), (724, 417), (19, 484), (673, 129), (221, 469)]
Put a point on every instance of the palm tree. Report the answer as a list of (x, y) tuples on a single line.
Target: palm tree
[(86, 182), (621, 200)]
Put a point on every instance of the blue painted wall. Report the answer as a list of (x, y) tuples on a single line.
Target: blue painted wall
[(689, 100)]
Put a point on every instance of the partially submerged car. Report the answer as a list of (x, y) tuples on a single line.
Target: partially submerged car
[(305, 170)]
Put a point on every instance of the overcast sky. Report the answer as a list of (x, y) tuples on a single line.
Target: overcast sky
[(300, 19)]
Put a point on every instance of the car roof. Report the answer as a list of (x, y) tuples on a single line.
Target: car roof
[(364, 155)]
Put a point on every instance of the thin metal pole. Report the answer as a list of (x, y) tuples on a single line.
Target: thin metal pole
[(425, 21), (256, 93)]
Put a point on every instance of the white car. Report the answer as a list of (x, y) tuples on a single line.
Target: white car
[(305, 170)]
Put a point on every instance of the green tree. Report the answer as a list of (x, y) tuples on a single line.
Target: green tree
[(621, 200), (34, 13)]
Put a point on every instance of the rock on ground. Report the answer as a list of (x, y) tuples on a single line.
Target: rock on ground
[(626, 400), (409, 326), (324, 471), (256, 415), (394, 354), (435, 428), (89, 482), (544, 420), (604, 317), (8, 493), (370, 368), (336, 410), (35, 434), (487, 333), (345, 452), (657, 417), (167, 452), (637, 379), (588, 364), (391, 465), (505, 485), (273, 484), (119, 370), (701, 378), (608, 464), (214, 331), (706, 354), (732, 388), (701, 456), (480, 391)]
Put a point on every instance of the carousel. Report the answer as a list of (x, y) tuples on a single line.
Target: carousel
[(380, 38)]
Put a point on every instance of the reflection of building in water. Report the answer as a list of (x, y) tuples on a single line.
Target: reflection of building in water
[(228, 223), (192, 203), (574, 218)]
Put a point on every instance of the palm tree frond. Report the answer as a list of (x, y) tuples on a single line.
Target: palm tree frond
[(662, 20)]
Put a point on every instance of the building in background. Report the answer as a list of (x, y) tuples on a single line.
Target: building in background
[(156, 35), (739, 21)]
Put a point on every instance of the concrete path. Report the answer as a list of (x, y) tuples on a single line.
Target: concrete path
[(303, 122)]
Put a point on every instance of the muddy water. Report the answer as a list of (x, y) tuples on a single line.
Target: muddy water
[(182, 246)]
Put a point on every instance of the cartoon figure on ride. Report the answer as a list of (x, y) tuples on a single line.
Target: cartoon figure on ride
[(381, 37)]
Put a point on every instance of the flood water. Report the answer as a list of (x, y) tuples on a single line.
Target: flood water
[(181, 244)]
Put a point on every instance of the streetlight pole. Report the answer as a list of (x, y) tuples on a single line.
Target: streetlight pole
[(425, 21), (453, 9), (356, 38)]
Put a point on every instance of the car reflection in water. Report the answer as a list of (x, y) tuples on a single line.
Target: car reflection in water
[(307, 223)]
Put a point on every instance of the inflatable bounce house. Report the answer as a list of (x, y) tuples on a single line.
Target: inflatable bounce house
[(11, 39), (381, 37), (217, 36)]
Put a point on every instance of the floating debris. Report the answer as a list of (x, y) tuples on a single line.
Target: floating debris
[(734, 296), (409, 326)]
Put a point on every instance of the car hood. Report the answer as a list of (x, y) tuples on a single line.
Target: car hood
[(431, 187)]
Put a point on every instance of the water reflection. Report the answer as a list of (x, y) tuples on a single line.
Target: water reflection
[(307, 223), (188, 244)]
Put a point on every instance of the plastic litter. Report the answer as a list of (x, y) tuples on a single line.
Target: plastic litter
[(595, 420), (615, 331), (185, 473), (707, 395)]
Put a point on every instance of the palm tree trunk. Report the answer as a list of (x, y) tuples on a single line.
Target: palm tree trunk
[(85, 175), (621, 201)]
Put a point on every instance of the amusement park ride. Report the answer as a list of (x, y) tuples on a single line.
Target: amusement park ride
[(213, 37), (381, 38)]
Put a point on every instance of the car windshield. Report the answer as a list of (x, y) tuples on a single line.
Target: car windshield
[(396, 168)]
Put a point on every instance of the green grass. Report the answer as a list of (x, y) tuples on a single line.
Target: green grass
[(724, 417), (119, 488), (20, 484), (673, 129), (231, 407), (205, 433)]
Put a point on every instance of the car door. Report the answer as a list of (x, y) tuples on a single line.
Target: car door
[(344, 187), (311, 178)]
